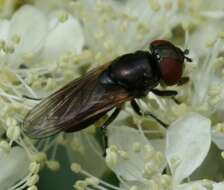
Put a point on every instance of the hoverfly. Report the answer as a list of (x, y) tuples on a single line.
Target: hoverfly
[(83, 101)]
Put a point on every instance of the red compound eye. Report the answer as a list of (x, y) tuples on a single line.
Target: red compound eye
[(170, 60), (171, 70)]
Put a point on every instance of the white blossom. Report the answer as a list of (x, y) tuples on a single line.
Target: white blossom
[(45, 44)]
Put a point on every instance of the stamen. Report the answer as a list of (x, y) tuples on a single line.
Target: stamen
[(100, 181)]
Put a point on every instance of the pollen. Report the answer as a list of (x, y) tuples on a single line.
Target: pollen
[(211, 43), (80, 185), (219, 127), (222, 154), (108, 44), (168, 5), (4, 146), (150, 169), (53, 165), (32, 180), (160, 158), (153, 185), (28, 57), (123, 154), (214, 100), (75, 167), (136, 147), (2, 44), (221, 35), (111, 158), (34, 167), (214, 90), (166, 181), (39, 157), (13, 132), (33, 187), (63, 17), (154, 4), (186, 25), (77, 145), (92, 181), (16, 39), (8, 49), (148, 152), (175, 162)]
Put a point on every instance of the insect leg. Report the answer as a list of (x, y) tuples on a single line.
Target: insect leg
[(183, 81), (166, 93), (31, 98), (137, 109), (104, 128)]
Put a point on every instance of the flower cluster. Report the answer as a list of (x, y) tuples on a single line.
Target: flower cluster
[(45, 44)]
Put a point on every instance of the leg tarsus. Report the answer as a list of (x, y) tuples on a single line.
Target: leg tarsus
[(137, 109), (183, 81), (176, 101), (104, 129), (157, 119), (31, 98)]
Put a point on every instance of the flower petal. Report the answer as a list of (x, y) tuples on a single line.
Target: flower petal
[(4, 29), (63, 37), (14, 166), (188, 142), (4, 32), (201, 49), (85, 150), (213, 14), (192, 185), (138, 20), (134, 143), (218, 186), (31, 26), (218, 139)]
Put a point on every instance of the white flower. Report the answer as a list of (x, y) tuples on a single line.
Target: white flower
[(33, 34), (140, 21), (187, 144), (29, 36), (45, 44)]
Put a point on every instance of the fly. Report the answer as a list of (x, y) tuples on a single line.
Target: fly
[(83, 101)]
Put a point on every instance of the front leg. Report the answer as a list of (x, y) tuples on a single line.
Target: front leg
[(157, 92), (183, 81), (137, 109), (166, 93)]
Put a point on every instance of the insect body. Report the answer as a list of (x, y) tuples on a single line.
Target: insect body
[(85, 100)]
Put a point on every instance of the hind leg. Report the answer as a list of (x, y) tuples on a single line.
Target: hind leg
[(104, 128)]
